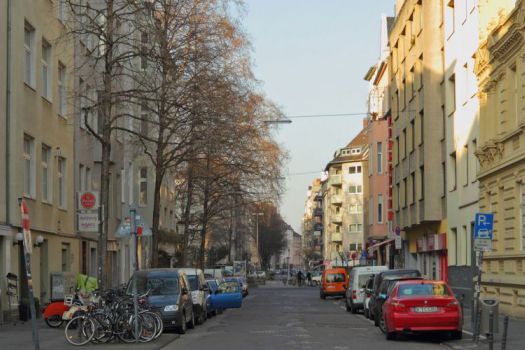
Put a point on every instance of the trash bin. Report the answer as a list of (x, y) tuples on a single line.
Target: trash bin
[(487, 305)]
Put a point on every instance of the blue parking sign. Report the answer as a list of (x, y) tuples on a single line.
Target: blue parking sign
[(483, 226)]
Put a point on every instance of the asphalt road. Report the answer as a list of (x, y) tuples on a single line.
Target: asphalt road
[(294, 318)]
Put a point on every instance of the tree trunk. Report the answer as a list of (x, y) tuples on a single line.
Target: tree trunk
[(102, 243), (159, 176), (187, 214)]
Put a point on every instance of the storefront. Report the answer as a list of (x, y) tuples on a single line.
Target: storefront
[(432, 256)]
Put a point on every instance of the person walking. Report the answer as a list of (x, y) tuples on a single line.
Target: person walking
[(309, 278), (299, 278)]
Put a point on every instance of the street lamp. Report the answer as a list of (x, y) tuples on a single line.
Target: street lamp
[(257, 233)]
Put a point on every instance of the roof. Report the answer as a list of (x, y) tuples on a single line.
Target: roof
[(359, 141)]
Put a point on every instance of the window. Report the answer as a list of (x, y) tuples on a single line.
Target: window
[(65, 257), (475, 162), (88, 179), (380, 209), (61, 89), (452, 94), (123, 186), (522, 216), (422, 183), (398, 157), (355, 151), (82, 178), (62, 10), (379, 157), (450, 19), (29, 166), (144, 116), (405, 194), (453, 171), (421, 127), (356, 247), (465, 161), (355, 189), (412, 132), (355, 169), (46, 69), (453, 251), (356, 227), (371, 211), (130, 186), (29, 47), (370, 160), (514, 89), (46, 174), (356, 208), (143, 49), (61, 182), (413, 189), (143, 186), (404, 143)]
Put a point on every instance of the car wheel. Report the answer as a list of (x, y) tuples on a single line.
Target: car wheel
[(347, 306), (382, 324), (183, 326), (391, 335), (456, 335), (353, 309), (191, 322), (365, 313), (54, 321), (322, 295)]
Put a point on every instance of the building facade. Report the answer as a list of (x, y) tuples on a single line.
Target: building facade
[(37, 125), (312, 224), (343, 203), (460, 114), (500, 68), (418, 135)]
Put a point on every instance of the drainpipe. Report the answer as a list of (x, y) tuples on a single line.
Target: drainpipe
[(8, 118)]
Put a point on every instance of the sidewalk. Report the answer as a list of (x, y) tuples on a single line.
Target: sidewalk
[(19, 337), (515, 335)]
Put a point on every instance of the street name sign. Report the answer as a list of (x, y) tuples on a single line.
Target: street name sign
[(483, 232)]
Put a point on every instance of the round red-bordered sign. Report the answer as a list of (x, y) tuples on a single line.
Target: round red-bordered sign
[(88, 200)]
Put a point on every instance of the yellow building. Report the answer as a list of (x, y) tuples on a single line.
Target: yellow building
[(500, 68), (36, 121), (418, 134)]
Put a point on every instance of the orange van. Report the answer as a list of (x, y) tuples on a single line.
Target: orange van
[(334, 282)]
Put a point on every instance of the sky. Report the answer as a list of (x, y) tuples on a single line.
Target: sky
[(311, 57)]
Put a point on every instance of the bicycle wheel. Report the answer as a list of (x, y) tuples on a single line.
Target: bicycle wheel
[(80, 330), (126, 328), (160, 324), (148, 323), (103, 328)]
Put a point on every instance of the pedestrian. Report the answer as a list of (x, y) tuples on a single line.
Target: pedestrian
[(299, 278), (309, 278)]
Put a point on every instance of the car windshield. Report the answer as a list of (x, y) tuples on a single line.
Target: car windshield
[(335, 277), (420, 289), (192, 279), (156, 285), (362, 279)]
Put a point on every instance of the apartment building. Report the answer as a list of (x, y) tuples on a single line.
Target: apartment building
[(343, 202), (459, 21), (380, 240), (312, 224), (500, 69), (37, 125), (418, 135)]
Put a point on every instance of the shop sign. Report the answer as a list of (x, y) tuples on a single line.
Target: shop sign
[(88, 222)]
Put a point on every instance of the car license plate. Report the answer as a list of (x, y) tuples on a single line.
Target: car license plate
[(426, 309), (330, 287)]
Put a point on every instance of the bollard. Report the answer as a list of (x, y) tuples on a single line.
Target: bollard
[(491, 330), (504, 335)]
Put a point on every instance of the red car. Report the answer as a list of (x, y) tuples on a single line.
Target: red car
[(423, 305)]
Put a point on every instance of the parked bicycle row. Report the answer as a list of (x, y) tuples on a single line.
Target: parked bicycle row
[(168, 299), (398, 301)]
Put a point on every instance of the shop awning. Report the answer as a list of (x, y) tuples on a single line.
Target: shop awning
[(380, 244)]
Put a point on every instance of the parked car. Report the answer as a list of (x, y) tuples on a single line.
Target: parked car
[(316, 278), (213, 274), (421, 306), (333, 282), (355, 293), (213, 309), (199, 293), (169, 294), (385, 288), (242, 282), (227, 296), (368, 294), (377, 281)]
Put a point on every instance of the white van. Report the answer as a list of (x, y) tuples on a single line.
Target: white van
[(355, 293), (199, 293)]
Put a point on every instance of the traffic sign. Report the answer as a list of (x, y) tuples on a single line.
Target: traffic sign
[(483, 231)]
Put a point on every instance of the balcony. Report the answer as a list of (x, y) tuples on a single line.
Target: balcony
[(336, 199), (337, 218), (335, 180), (337, 237), (318, 212)]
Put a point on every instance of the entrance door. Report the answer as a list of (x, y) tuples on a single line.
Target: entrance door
[(44, 271)]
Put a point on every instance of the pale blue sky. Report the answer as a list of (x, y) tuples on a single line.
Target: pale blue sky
[(311, 56)]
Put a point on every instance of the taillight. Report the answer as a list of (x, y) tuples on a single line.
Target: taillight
[(453, 306), (398, 307), (354, 294)]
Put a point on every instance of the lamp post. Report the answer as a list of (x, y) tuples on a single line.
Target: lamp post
[(257, 234)]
